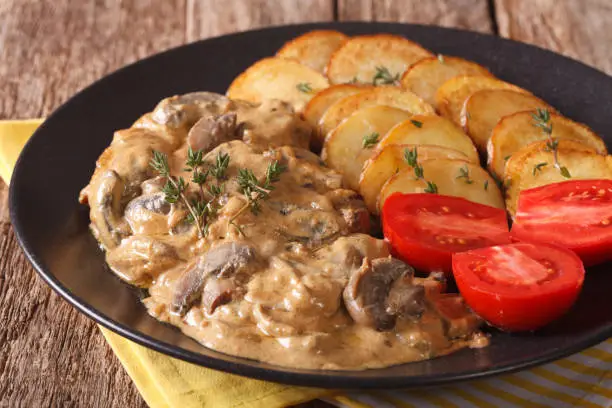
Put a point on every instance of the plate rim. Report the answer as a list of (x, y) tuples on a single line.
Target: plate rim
[(246, 367)]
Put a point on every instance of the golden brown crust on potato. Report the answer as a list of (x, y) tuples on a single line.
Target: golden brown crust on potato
[(278, 78), (359, 57), (533, 166), (452, 94), (344, 149), (380, 95), (388, 160), (313, 49), (431, 130), (427, 75), (518, 130), (318, 105), (484, 109), (445, 173)]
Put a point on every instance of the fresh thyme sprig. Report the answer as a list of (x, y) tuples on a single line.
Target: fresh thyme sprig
[(416, 123), (304, 87), (254, 190), (174, 189), (384, 77), (411, 157), (219, 169), (370, 140), (542, 120), (464, 173), (538, 167)]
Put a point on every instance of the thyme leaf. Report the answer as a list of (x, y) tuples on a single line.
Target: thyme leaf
[(411, 157), (370, 140), (384, 77)]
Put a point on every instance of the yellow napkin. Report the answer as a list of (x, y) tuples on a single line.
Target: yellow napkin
[(584, 379)]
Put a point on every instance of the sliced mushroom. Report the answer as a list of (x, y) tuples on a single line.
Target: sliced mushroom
[(106, 209), (217, 292), (405, 298), (210, 131), (185, 110), (223, 261), (365, 296), (147, 214)]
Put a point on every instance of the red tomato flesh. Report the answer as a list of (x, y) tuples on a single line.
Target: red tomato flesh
[(425, 230), (521, 286), (574, 214)]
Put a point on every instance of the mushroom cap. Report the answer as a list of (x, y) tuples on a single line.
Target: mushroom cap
[(365, 296)]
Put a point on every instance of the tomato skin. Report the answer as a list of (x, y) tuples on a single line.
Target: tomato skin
[(410, 229), (559, 214), (518, 307)]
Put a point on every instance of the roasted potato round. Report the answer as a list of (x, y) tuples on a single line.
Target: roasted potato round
[(388, 160), (353, 142), (318, 105), (278, 78), (427, 75), (431, 130), (451, 96), (533, 166), (313, 49), (456, 178), (483, 109), (380, 95), (362, 58), (516, 131)]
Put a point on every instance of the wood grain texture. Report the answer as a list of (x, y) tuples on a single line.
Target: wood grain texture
[(215, 17), (578, 29), (469, 14), (50, 355)]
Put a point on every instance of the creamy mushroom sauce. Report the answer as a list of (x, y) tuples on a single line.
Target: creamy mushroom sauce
[(305, 286)]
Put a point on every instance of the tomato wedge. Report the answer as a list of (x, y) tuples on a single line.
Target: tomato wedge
[(425, 230), (574, 214), (521, 286)]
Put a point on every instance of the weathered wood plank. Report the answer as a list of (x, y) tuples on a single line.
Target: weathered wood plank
[(50, 50), (578, 29), (215, 17), (468, 14), (51, 355)]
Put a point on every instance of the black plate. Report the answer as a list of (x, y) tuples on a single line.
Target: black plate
[(59, 159)]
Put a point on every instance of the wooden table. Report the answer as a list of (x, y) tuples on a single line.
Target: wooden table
[(51, 355)]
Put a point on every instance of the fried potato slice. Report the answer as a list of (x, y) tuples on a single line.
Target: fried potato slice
[(533, 166), (431, 130), (449, 177), (318, 105), (278, 78), (313, 49), (483, 109), (518, 130), (453, 93), (388, 160), (358, 59), (345, 149), (380, 95), (427, 75)]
